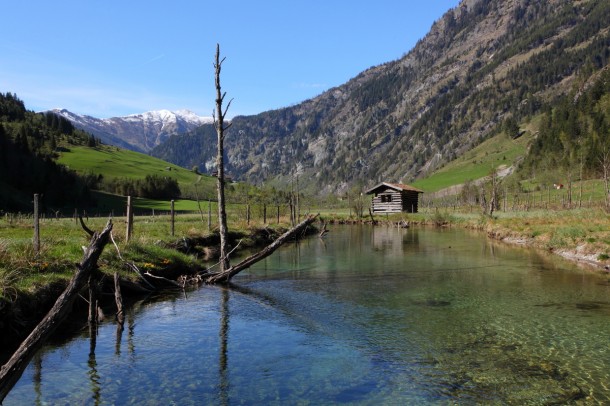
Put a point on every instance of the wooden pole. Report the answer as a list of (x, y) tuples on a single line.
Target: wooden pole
[(129, 219), (172, 216), (36, 226), (209, 215), (264, 213)]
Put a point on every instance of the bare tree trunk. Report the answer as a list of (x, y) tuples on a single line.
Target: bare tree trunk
[(219, 117), (494, 193), (12, 370), (604, 159), (224, 276), (199, 204)]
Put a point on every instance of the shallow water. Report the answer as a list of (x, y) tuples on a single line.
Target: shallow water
[(365, 316)]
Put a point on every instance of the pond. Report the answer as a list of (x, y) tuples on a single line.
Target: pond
[(364, 316)]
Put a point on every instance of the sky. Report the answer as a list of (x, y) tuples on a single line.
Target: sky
[(114, 58)]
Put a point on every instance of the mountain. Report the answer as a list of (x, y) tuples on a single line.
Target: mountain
[(484, 67), (138, 132)]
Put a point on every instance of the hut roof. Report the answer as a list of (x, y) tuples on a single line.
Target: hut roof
[(396, 186)]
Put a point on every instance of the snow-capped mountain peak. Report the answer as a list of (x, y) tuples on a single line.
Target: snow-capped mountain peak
[(139, 132)]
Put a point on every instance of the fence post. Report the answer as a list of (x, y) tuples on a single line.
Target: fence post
[(209, 215), (129, 219), (172, 216), (36, 226), (264, 213)]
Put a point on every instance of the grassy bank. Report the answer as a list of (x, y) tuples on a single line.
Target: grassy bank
[(30, 282), (581, 235)]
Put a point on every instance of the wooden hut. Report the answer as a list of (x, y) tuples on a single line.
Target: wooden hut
[(394, 198)]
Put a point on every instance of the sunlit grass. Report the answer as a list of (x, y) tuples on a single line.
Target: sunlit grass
[(499, 151), (23, 270)]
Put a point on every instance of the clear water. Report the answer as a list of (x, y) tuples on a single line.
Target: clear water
[(366, 316)]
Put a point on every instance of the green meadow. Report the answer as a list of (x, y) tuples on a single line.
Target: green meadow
[(496, 153), (112, 162)]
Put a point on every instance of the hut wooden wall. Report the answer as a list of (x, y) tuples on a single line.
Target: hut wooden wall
[(405, 201), (409, 201), (395, 206)]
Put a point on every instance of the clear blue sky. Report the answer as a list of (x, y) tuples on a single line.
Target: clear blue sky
[(112, 58)]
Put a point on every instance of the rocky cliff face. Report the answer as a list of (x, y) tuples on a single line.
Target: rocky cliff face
[(482, 63)]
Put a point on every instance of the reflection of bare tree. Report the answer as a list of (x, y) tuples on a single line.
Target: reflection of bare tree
[(118, 338), (37, 377), (94, 376), (297, 256), (131, 348), (224, 336)]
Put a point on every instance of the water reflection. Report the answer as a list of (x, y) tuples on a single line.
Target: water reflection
[(118, 336), (37, 377), (224, 338), (384, 239), (94, 377), (412, 316)]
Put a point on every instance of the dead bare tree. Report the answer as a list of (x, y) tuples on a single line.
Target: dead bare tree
[(221, 128), (604, 160)]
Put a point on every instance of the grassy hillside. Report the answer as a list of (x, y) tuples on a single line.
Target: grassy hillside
[(497, 152), (115, 162), (112, 162)]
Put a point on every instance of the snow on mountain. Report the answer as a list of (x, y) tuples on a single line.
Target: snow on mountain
[(139, 132)]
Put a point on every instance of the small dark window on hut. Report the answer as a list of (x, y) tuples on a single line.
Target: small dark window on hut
[(386, 198)]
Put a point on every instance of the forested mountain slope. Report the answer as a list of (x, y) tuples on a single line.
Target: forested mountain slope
[(28, 148), (485, 65)]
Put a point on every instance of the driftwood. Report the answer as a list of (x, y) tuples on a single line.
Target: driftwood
[(13, 369), (324, 230), (226, 275)]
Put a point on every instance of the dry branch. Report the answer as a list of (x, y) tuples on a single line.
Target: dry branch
[(12, 370), (226, 275), (84, 226)]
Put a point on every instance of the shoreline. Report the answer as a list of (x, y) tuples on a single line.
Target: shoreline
[(577, 253), (19, 316)]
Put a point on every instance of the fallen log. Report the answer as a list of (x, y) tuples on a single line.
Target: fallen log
[(13, 369), (225, 276)]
